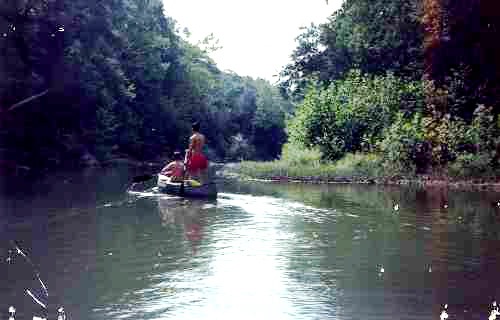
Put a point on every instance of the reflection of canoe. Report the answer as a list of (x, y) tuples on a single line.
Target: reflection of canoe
[(205, 191)]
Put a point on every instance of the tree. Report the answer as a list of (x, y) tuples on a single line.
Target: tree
[(372, 36), (352, 114)]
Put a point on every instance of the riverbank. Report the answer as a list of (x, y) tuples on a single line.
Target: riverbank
[(272, 172)]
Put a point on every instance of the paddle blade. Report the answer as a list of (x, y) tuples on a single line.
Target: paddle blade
[(193, 183)]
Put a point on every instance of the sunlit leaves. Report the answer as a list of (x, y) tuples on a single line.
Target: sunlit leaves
[(351, 114), (373, 36), (123, 81)]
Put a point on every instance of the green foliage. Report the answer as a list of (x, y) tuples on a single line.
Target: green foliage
[(374, 36), (240, 148), (484, 130), (360, 164), (295, 155), (468, 165), (268, 122), (295, 161), (416, 126), (299, 163), (476, 147), (122, 82), (351, 114), (404, 149), (419, 144), (279, 168), (475, 58)]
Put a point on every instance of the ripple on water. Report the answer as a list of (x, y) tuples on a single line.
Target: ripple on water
[(285, 252)]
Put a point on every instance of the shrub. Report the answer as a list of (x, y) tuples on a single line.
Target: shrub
[(472, 165), (404, 149), (296, 155), (351, 114), (360, 164), (240, 148)]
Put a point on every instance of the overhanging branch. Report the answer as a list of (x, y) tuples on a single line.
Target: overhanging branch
[(25, 101)]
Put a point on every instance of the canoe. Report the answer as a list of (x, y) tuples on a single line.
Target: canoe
[(208, 190)]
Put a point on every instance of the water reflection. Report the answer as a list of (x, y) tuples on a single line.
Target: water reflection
[(439, 246), (188, 213), (259, 251)]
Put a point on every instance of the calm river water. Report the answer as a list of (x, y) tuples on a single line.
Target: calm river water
[(260, 251)]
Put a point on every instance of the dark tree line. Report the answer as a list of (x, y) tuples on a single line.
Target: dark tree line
[(114, 78)]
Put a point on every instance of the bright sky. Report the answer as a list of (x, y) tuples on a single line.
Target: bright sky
[(258, 36)]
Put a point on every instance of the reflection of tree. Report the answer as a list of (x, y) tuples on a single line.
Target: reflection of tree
[(348, 245), (54, 221), (95, 246), (463, 248), (433, 228)]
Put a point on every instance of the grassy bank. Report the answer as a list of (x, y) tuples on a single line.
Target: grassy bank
[(306, 166), (354, 166)]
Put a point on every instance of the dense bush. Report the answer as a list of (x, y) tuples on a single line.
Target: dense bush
[(295, 155), (426, 144), (468, 165), (404, 149), (240, 149), (416, 127), (351, 114), (360, 164), (438, 112)]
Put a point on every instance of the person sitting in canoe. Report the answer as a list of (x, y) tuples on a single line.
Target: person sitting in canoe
[(196, 161), (175, 169)]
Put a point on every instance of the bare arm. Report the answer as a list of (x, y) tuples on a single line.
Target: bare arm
[(193, 142), (167, 168)]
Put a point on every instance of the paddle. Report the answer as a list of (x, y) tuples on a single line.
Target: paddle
[(184, 173)]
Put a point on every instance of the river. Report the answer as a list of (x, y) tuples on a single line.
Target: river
[(260, 251)]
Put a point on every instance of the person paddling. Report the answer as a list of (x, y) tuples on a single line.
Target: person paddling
[(196, 161), (175, 169)]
